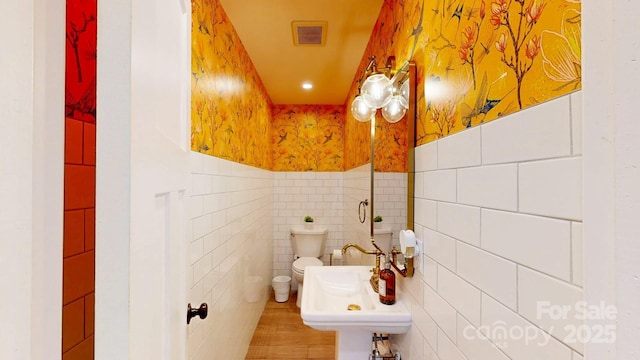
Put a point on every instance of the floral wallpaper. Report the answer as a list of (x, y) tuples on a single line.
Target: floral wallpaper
[(81, 55), (390, 144), (477, 60), (308, 138), (230, 108)]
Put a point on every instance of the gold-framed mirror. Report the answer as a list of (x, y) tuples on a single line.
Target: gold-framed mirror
[(393, 192)]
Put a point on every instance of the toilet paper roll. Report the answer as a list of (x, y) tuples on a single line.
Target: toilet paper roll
[(337, 254)]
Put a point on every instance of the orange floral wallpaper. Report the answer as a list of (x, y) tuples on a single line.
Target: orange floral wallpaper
[(308, 138), (230, 108), (477, 60), (357, 141), (390, 144)]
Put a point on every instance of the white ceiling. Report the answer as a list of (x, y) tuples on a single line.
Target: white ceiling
[(264, 27)]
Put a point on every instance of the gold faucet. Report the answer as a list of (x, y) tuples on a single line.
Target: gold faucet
[(376, 270)]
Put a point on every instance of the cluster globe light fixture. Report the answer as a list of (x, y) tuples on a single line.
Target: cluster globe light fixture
[(361, 111), (393, 111), (378, 91)]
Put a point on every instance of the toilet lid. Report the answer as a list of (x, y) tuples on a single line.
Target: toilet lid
[(303, 262)]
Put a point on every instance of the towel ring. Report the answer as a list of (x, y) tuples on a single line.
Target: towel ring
[(362, 210)]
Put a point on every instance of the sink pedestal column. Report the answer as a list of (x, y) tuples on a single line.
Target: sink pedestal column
[(353, 344)]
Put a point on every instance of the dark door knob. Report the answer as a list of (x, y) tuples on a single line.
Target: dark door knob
[(202, 312)]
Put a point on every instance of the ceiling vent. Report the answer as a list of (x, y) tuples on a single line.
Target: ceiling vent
[(309, 33)]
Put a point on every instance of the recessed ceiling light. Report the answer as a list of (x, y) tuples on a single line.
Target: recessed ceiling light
[(307, 86)]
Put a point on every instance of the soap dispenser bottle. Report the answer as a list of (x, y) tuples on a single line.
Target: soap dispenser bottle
[(387, 284)]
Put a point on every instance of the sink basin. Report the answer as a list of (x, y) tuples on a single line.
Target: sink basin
[(329, 293)]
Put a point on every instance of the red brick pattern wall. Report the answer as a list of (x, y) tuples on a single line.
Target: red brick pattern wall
[(79, 182)]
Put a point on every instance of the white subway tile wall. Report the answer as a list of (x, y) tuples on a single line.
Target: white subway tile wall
[(450, 217), (494, 187), (296, 195), (460, 294), (474, 344), (440, 185), (441, 311), (499, 208), (539, 242), (332, 199), (230, 264), (503, 327), (426, 157), (467, 142), (576, 122), (559, 295), (447, 349), (540, 132), (577, 254), (551, 188), (492, 274)]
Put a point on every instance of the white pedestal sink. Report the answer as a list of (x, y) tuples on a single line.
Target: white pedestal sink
[(329, 294)]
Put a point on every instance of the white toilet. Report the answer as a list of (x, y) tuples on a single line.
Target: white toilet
[(382, 237), (308, 246)]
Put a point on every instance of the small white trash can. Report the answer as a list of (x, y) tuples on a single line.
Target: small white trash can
[(281, 286)]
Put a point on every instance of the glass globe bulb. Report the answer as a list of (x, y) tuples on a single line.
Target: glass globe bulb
[(393, 111), (360, 110), (376, 91), (404, 94)]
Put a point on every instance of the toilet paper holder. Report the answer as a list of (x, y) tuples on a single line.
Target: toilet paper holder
[(335, 254)]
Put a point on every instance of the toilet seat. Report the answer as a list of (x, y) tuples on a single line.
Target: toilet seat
[(299, 265)]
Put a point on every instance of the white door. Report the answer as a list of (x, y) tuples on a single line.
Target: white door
[(143, 108), (31, 178)]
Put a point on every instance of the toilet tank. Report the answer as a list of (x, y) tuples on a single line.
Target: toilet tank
[(308, 242), (382, 238)]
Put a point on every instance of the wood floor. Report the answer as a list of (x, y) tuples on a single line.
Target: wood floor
[(280, 334)]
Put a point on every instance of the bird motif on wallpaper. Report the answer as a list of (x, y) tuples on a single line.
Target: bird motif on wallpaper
[(483, 104), (457, 13), (485, 48), (203, 27), (230, 41), (328, 138), (396, 139), (472, 11), (449, 66), (282, 137), (437, 11), (417, 30), (398, 19)]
